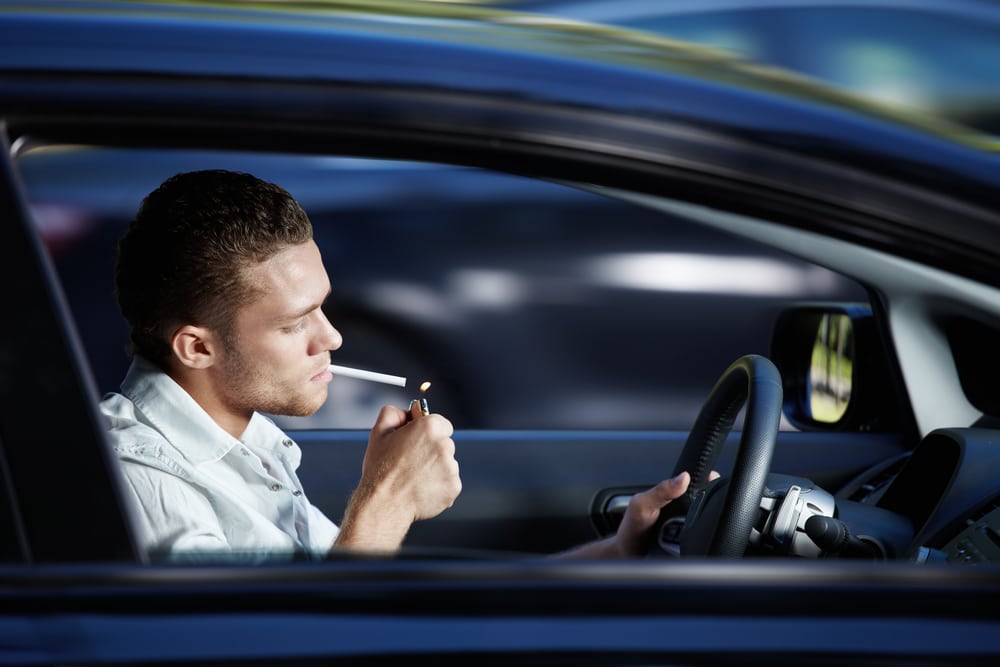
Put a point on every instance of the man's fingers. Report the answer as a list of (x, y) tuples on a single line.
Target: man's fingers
[(670, 489), (389, 419), (673, 488)]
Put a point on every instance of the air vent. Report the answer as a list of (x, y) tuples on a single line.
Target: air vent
[(983, 511), (869, 490), (977, 538)]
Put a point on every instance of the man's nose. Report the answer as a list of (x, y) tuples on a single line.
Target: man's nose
[(332, 340), (335, 340)]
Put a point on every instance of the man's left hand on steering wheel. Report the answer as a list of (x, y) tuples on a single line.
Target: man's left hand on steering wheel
[(636, 531)]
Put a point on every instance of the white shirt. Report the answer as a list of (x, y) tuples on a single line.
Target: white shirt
[(200, 491)]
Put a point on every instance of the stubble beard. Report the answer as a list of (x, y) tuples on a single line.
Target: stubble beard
[(254, 390)]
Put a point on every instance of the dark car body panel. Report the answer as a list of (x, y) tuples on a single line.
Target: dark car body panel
[(502, 612)]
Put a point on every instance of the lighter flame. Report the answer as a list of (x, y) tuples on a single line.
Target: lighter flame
[(424, 386)]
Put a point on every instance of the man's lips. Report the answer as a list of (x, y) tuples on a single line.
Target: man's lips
[(323, 376)]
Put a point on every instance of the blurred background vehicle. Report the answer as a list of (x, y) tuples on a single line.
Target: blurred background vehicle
[(565, 309), (932, 56)]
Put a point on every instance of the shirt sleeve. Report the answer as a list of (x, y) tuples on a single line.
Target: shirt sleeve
[(322, 532)]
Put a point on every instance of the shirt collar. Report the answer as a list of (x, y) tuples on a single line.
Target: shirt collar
[(178, 417), (263, 434)]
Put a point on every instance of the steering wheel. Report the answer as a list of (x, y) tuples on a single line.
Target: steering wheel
[(721, 515)]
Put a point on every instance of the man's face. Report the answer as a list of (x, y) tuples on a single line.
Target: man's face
[(277, 358)]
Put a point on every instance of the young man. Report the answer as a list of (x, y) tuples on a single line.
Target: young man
[(223, 286)]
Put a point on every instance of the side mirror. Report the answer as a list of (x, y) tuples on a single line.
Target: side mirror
[(834, 369)]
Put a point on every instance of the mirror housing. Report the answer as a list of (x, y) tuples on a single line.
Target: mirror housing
[(834, 369)]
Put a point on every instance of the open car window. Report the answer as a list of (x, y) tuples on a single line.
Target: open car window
[(527, 304)]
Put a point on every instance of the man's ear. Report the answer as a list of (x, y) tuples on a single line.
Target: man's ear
[(195, 347)]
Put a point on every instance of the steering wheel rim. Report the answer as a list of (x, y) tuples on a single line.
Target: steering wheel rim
[(752, 381)]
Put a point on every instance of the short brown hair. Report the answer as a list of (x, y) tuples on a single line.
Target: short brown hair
[(181, 260)]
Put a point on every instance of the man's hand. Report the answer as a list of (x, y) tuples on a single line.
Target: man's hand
[(643, 510), (409, 473)]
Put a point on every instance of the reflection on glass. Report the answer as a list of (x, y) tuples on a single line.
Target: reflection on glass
[(831, 369)]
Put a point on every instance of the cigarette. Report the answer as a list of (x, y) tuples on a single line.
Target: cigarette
[(371, 376)]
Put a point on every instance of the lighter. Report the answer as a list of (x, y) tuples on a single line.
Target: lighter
[(424, 409)]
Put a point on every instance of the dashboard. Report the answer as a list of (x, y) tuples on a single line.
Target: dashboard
[(949, 491)]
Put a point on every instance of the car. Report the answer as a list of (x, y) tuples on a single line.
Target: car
[(930, 57), (856, 516)]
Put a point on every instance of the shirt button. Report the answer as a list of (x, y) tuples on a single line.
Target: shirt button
[(296, 492), (287, 443), (244, 452), (276, 487)]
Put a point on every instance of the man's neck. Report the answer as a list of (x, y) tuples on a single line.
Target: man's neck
[(199, 385)]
